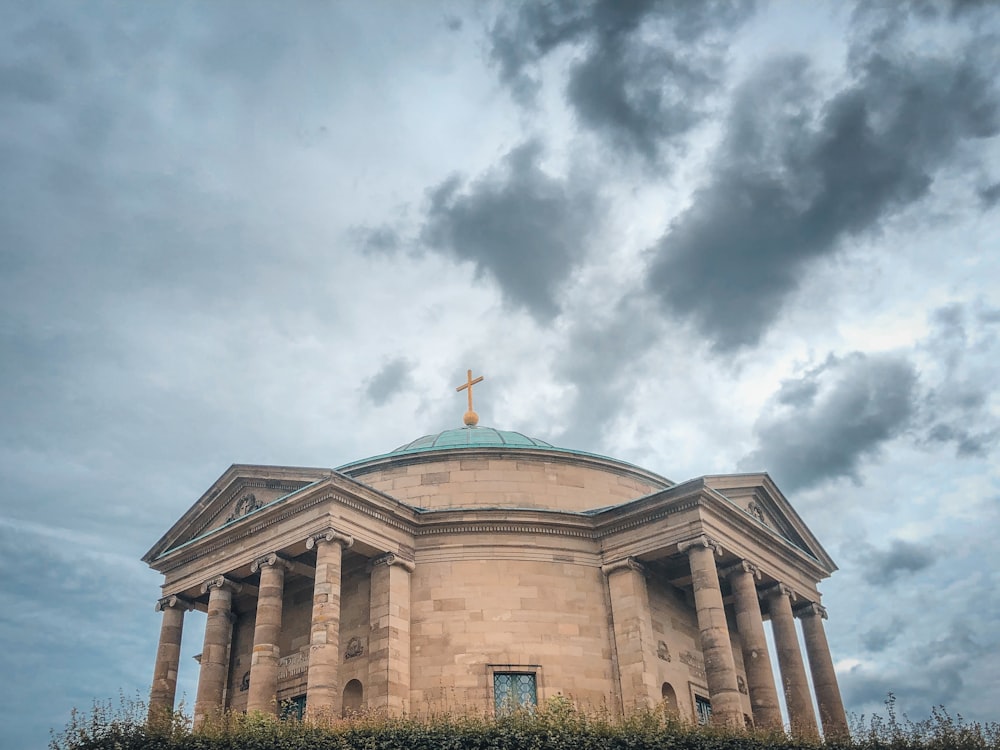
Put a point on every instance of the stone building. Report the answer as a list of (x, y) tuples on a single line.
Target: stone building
[(479, 568)]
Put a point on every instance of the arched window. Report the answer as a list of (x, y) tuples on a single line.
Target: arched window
[(669, 699), (354, 696)]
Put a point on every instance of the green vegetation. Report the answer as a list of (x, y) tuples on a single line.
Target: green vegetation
[(557, 726)]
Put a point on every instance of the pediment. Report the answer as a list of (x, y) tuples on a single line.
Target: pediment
[(239, 492), (759, 497)]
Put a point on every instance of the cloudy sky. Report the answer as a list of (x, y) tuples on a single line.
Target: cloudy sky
[(702, 237)]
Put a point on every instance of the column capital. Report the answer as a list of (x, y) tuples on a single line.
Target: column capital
[(221, 582), (391, 558), (330, 535), (699, 541), (743, 566), (812, 609), (626, 563), (174, 602), (778, 589), (273, 559)]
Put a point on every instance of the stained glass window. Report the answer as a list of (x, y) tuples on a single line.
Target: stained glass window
[(514, 690)]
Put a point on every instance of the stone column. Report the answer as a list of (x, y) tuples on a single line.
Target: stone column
[(323, 686), (633, 634), (716, 646), (215, 653), (757, 662), (831, 707), (793, 671), (263, 692), (168, 656), (389, 637)]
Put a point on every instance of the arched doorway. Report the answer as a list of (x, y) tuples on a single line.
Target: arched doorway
[(354, 697), (669, 698)]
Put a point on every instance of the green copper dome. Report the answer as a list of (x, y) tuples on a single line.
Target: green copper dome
[(471, 437)]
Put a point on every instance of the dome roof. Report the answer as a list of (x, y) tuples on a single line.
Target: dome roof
[(471, 437)]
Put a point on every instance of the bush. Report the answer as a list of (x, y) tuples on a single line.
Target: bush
[(559, 725)]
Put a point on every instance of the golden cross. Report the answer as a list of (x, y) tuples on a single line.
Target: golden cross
[(471, 419)]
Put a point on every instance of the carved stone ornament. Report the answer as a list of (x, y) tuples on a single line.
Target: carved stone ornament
[(627, 563), (391, 558), (174, 602), (330, 535), (247, 504), (354, 648), (272, 559), (743, 566), (757, 512), (778, 589), (812, 609), (220, 582), (245, 682), (699, 541), (662, 651)]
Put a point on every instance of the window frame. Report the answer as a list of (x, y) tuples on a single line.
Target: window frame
[(492, 670)]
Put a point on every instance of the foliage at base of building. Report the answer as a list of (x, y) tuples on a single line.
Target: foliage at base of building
[(558, 725)]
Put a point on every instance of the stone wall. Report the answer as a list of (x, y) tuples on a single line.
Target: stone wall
[(471, 614), (522, 482)]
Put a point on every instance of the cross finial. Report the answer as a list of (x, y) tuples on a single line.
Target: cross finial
[(471, 419)]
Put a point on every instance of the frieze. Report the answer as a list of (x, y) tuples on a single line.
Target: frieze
[(293, 664), (503, 528), (695, 663)]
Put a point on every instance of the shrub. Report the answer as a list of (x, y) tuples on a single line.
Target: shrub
[(559, 725)]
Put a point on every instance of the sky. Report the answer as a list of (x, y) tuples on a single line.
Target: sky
[(701, 237)]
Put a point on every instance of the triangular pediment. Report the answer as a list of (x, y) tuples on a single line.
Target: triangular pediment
[(239, 492), (759, 497)]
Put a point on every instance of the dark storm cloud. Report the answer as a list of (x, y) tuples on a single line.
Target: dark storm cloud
[(517, 225), (645, 67), (936, 679), (884, 566), (823, 425), (381, 240), (388, 381), (878, 639), (990, 195), (955, 408), (796, 174)]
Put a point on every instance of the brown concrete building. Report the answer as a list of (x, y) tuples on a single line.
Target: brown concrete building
[(479, 568)]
